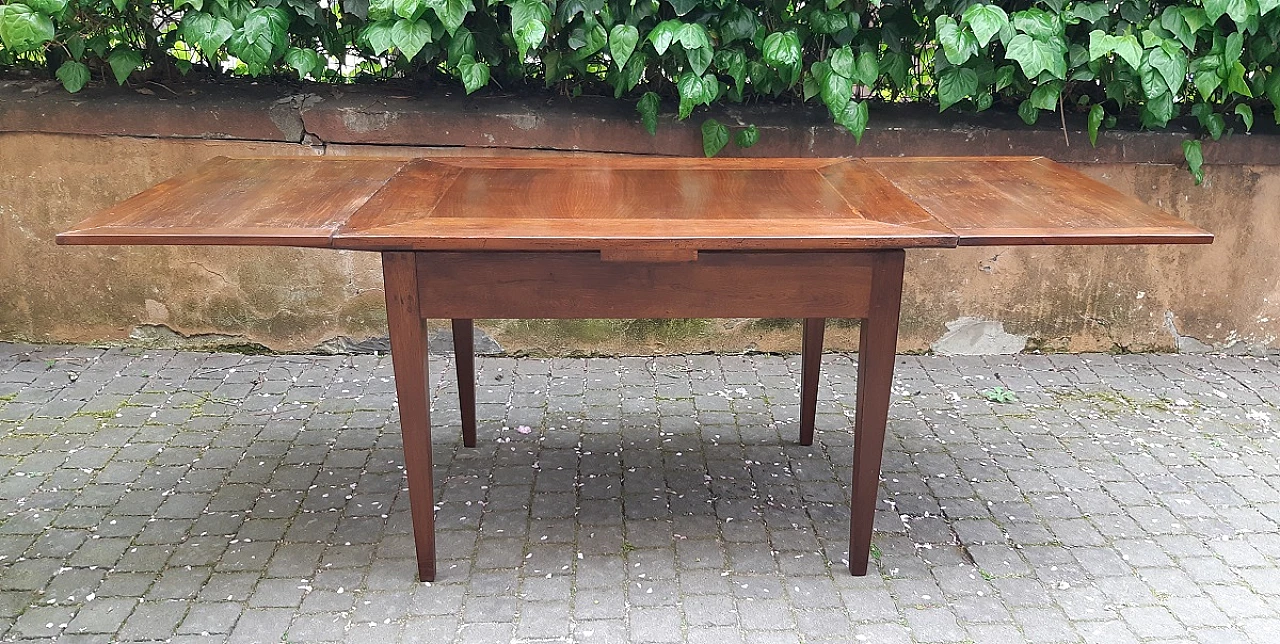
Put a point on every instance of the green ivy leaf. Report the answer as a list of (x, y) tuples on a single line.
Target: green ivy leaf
[(897, 66), (529, 36), (1238, 10), (1233, 48), (683, 6), (734, 63), (986, 20), (1101, 43), (954, 85), (451, 13), (868, 69), (303, 61), (1266, 6), (1173, 20), (1204, 73), (267, 28), (1035, 56), (843, 62), (1038, 24), (474, 75), (461, 43), (782, 52), (809, 87), (714, 137), (663, 35), (699, 59), (1045, 96), (263, 37), (854, 118), (1211, 121), (695, 90), (1169, 60), (1273, 92), (1005, 76), (958, 44), (1127, 48), (737, 23), (1096, 115), (122, 62), (1246, 114), (378, 36), (408, 9), (206, 32), (1157, 111), (1028, 112), (47, 7), (75, 46), (73, 75), (648, 109), (836, 91), (1091, 12), (693, 36), (380, 10), (1236, 82), (746, 137), (23, 30), (828, 22), (1195, 159), (622, 43), (529, 20)]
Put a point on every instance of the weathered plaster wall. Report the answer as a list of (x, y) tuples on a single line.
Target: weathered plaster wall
[(61, 159)]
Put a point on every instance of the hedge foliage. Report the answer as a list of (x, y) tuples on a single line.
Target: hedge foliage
[(1214, 59)]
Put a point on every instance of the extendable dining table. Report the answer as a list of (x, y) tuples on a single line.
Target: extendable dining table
[(466, 238)]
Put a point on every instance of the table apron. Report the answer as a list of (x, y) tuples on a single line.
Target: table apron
[(567, 285)]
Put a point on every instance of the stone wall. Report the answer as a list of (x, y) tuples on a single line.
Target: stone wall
[(62, 157)]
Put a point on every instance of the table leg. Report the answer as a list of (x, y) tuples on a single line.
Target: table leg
[(409, 361), (810, 369), (465, 356), (876, 347)]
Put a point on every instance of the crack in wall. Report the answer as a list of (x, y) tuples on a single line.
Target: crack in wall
[(1185, 343)]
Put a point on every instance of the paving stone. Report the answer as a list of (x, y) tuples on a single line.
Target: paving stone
[(104, 615), (206, 618), (1073, 515), (154, 620)]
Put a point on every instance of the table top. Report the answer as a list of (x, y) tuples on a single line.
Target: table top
[(632, 204)]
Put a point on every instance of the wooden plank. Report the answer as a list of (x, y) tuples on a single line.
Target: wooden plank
[(1030, 201), (877, 344), (413, 392), (537, 234), (579, 285), (561, 204), (637, 204), (273, 202), (656, 255)]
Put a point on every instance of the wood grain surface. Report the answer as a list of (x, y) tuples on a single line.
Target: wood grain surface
[(629, 206), (271, 202), (569, 285), (994, 202)]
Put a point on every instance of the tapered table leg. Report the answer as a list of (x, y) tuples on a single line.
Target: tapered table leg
[(409, 360), (876, 345), (810, 369), (464, 354)]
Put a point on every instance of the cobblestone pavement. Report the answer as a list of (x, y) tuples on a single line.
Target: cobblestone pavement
[(189, 497)]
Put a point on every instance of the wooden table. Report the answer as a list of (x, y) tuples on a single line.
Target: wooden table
[(625, 237)]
